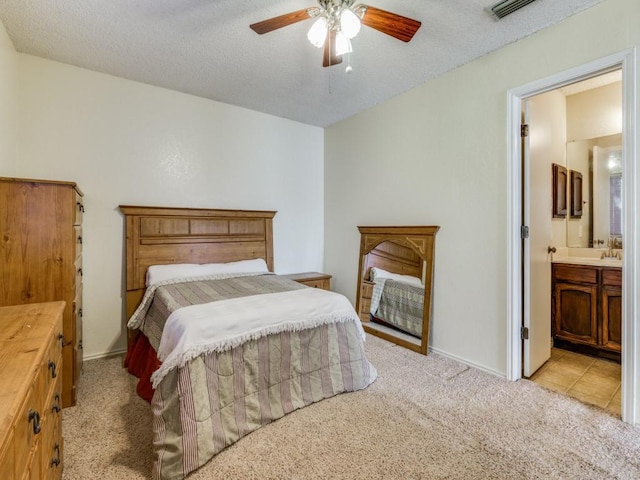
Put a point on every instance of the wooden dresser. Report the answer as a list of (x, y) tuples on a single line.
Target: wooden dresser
[(41, 251), (30, 385)]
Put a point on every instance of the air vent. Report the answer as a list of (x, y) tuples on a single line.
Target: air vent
[(506, 7)]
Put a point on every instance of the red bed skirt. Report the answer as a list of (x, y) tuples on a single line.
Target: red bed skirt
[(142, 361)]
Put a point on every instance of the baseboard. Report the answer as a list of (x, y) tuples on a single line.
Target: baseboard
[(115, 353), (467, 362)]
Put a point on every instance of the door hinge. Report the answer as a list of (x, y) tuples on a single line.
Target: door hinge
[(524, 333), (524, 231), (524, 130)]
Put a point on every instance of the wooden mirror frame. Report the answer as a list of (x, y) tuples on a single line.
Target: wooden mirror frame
[(559, 191), (421, 240), (575, 194)]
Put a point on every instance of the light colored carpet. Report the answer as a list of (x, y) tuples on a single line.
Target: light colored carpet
[(423, 418)]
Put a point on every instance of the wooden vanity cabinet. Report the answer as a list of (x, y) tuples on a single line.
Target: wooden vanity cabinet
[(587, 309), (41, 246), (611, 299), (576, 303)]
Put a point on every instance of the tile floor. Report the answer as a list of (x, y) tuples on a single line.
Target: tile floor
[(590, 380)]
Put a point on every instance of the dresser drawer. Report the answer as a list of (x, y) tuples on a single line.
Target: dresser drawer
[(79, 273), (367, 290), (78, 229), (612, 277), (76, 322), (51, 442), (318, 283), (311, 279), (50, 374), (365, 310), (27, 429), (6, 458), (575, 273), (79, 209)]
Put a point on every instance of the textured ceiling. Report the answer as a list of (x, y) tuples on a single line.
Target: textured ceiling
[(206, 48)]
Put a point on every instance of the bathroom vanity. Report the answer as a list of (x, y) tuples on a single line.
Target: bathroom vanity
[(586, 306)]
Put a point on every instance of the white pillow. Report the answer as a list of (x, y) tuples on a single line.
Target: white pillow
[(160, 273), (257, 265), (380, 273)]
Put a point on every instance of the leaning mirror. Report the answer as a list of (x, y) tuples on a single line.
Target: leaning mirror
[(395, 283)]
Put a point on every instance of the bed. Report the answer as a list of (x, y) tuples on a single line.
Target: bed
[(397, 301), (221, 345), (397, 298)]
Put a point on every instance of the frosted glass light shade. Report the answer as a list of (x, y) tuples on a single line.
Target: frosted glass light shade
[(349, 23), (318, 32), (343, 44)]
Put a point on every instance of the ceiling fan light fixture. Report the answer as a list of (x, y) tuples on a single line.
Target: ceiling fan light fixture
[(349, 23), (336, 22), (318, 32), (343, 44)]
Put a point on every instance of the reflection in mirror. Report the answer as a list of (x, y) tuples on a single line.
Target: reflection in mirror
[(600, 162), (395, 283)]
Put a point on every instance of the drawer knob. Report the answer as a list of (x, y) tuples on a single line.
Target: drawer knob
[(56, 404), (61, 338), (80, 207), (52, 367), (35, 418), (80, 271), (56, 461), (80, 239)]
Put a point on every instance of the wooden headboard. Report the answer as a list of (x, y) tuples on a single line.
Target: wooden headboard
[(394, 257), (163, 235)]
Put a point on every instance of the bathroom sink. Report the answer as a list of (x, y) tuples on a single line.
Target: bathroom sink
[(596, 262)]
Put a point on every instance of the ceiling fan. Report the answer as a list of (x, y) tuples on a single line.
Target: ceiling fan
[(337, 22)]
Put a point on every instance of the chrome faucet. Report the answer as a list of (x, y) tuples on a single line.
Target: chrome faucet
[(611, 245)]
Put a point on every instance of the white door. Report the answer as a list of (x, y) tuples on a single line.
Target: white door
[(538, 156)]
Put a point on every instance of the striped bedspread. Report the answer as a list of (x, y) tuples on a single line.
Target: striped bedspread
[(400, 305), (219, 397), (169, 296)]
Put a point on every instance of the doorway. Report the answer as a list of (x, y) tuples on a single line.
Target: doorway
[(520, 250)]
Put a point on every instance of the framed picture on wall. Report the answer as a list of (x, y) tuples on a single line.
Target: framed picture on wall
[(559, 191), (575, 194)]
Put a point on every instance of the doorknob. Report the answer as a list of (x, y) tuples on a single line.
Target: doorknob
[(551, 249)]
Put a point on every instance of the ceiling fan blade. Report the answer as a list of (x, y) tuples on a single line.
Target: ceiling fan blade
[(274, 23), (329, 56), (397, 26)]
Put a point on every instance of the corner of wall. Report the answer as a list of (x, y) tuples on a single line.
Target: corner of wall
[(8, 104)]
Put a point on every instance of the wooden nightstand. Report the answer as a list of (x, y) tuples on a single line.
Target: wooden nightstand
[(365, 300), (312, 279)]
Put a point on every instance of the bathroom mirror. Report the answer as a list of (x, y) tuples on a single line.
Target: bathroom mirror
[(395, 283), (599, 161)]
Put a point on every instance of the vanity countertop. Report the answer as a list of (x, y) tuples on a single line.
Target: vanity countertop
[(594, 262)]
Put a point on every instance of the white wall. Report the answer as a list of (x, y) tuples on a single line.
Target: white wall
[(133, 144), (595, 113), (8, 70), (437, 155)]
